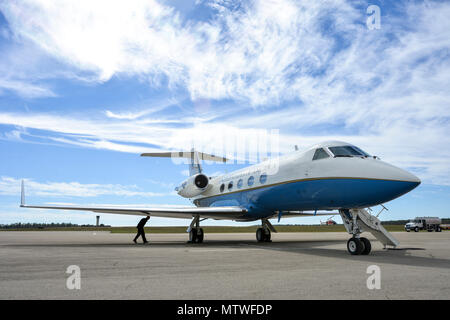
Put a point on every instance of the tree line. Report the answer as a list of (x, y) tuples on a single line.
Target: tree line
[(20, 225)]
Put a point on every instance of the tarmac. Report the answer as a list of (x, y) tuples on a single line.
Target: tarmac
[(34, 265)]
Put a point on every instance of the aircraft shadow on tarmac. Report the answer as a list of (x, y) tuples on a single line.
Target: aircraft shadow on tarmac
[(398, 256)]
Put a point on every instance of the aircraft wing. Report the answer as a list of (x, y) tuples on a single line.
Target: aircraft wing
[(225, 213)]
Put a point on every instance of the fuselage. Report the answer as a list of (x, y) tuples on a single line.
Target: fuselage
[(327, 176)]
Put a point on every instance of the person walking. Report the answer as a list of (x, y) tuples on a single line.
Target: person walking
[(140, 228)]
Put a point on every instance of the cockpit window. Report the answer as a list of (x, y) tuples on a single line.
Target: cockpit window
[(320, 154), (347, 151), (364, 153)]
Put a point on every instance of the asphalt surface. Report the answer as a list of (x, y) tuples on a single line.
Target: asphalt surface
[(33, 265)]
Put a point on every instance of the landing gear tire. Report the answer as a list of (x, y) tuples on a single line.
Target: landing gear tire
[(200, 235), (267, 236), (196, 235), (260, 235), (263, 235), (355, 246), (367, 246), (193, 236)]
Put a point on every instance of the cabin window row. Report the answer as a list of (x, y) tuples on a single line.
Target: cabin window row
[(240, 183)]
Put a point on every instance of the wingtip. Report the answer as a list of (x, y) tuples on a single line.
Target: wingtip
[(22, 194)]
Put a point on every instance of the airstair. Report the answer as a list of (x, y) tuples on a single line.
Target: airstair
[(360, 220)]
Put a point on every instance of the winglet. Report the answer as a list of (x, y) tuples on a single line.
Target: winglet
[(22, 195)]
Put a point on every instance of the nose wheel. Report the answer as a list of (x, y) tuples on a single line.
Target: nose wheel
[(359, 246)]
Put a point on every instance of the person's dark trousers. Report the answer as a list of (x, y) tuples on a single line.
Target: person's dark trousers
[(141, 233)]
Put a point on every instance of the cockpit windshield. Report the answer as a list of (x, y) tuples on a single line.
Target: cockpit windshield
[(362, 151), (348, 151)]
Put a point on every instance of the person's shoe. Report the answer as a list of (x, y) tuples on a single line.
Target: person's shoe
[(134, 241), (145, 242)]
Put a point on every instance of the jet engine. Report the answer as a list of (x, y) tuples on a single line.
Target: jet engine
[(193, 186)]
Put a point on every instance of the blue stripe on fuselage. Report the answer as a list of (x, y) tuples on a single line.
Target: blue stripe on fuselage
[(312, 194)]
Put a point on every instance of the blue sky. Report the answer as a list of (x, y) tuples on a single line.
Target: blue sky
[(85, 87)]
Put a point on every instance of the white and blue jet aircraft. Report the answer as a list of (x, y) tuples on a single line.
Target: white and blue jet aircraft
[(328, 176)]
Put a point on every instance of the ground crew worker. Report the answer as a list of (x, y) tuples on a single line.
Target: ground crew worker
[(141, 231)]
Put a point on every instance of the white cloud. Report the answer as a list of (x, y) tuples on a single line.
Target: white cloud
[(247, 54), (26, 89), (11, 186), (405, 146), (266, 52), (314, 69)]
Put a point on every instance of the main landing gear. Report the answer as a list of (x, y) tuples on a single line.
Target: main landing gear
[(263, 233), (196, 233)]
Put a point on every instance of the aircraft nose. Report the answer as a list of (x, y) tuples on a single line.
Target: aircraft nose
[(391, 172), (413, 181), (408, 177), (409, 180)]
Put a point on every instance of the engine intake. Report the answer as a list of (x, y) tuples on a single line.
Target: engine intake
[(193, 186), (201, 181)]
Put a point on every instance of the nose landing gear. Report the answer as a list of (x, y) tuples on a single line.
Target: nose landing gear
[(358, 220), (357, 246)]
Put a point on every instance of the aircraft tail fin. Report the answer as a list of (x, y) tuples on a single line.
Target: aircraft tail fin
[(195, 156)]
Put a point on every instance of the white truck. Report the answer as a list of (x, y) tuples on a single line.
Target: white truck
[(424, 223)]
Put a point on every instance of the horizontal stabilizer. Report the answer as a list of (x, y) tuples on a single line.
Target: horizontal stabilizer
[(186, 154)]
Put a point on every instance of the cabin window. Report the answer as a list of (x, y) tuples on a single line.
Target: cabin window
[(263, 178), (320, 154), (230, 185), (222, 187), (346, 151), (240, 183), (250, 181)]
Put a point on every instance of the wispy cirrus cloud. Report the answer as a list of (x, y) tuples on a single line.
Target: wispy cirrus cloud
[(25, 89), (248, 51), (11, 186)]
